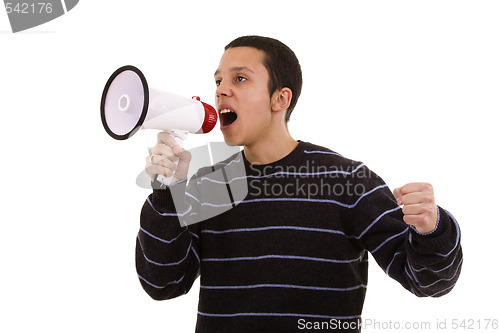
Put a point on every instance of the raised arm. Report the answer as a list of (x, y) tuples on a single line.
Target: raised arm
[(417, 244)]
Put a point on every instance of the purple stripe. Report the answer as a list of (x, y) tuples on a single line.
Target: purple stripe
[(388, 240), (275, 256), (265, 314), (160, 264), (160, 287), (161, 239), (283, 286), (273, 228)]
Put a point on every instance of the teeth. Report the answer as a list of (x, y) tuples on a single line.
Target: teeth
[(227, 117)]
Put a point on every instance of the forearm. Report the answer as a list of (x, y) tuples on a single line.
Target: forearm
[(434, 260), (167, 260)]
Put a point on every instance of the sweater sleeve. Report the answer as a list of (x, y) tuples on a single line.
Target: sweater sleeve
[(167, 246), (425, 264)]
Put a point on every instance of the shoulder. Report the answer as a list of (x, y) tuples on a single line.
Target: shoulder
[(233, 160), (339, 165), (326, 156)]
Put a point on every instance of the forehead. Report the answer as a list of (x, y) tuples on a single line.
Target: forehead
[(241, 58)]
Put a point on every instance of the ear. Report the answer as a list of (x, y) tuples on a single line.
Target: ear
[(281, 99)]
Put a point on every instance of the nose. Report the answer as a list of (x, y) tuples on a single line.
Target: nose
[(223, 90)]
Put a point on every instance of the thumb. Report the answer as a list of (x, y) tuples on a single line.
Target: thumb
[(182, 154), (182, 169)]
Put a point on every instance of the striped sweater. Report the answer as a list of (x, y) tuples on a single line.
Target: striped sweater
[(293, 250)]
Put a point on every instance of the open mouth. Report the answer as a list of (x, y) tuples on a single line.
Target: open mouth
[(227, 117)]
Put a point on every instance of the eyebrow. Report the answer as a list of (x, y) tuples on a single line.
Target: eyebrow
[(236, 69)]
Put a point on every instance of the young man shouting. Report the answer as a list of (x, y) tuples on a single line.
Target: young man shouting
[(293, 253)]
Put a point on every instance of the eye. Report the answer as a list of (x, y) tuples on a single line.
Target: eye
[(240, 79), (218, 82)]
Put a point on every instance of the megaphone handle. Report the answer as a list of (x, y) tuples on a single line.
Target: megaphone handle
[(179, 137)]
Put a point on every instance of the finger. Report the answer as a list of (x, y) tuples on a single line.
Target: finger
[(166, 139), (163, 150), (412, 198), (153, 170), (157, 164), (183, 155), (416, 187), (415, 220), (413, 209), (417, 198), (398, 194), (163, 161)]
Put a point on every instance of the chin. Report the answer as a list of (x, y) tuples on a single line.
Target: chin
[(232, 144), (231, 141)]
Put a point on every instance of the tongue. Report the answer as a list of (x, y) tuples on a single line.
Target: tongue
[(228, 118)]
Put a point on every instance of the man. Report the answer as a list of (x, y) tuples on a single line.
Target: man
[(292, 254)]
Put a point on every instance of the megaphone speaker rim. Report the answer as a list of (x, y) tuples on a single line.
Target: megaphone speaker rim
[(144, 108)]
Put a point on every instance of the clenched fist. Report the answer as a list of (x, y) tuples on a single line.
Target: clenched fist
[(419, 206)]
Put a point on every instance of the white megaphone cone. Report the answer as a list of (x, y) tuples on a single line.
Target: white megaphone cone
[(128, 104)]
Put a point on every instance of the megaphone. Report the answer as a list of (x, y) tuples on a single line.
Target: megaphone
[(129, 104)]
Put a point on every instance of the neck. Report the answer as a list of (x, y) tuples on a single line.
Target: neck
[(272, 148)]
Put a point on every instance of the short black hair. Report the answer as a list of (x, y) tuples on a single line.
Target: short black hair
[(281, 64)]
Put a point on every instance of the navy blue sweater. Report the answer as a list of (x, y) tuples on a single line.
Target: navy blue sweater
[(293, 249)]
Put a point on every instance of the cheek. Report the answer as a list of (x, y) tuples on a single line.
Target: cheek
[(259, 102)]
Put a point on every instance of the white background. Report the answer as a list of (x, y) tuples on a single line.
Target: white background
[(411, 88)]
